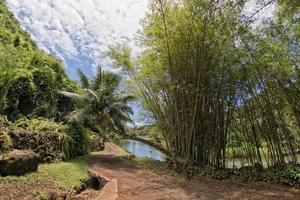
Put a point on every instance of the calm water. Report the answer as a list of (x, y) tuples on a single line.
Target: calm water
[(142, 150)]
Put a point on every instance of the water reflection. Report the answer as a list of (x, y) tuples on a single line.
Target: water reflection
[(140, 149)]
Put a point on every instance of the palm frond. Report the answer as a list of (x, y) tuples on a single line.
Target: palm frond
[(97, 82), (123, 99), (89, 96), (123, 107), (111, 81), (119, 125), (84, 80), (71, 95), (119, 114), (79, 115), (108, 123)]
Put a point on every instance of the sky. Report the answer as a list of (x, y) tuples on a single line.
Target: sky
[(78, 32)]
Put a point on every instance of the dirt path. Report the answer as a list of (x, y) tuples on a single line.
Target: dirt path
[(135, 182)]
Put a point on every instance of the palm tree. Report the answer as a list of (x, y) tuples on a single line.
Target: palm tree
[(99, 103)]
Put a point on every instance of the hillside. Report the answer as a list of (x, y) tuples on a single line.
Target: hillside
[(31, 78)]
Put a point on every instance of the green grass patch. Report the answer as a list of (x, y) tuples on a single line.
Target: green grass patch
[(30, 177), (70, 173), (61, 175)]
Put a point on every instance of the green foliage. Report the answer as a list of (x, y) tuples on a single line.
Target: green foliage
[(81, 140), (288, 174), (100, 104), (40, 124), (51, 140), (217, 84), (219, 174), (5, 141), (30, 85), (30, 79), (151, 132), (121, 54), (3, 120)]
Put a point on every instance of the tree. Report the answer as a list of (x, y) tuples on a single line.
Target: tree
[(30, 79), (99, 102), (210, 78)]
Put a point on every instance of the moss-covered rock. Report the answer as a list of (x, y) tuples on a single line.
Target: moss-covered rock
[(52, 141), (48, 145), (18, 162)]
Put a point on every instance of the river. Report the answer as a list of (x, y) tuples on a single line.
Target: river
[(142, 150)]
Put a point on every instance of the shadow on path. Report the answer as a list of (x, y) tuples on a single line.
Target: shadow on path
[(136, 182)]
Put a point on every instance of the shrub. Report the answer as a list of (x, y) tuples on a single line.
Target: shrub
[(81, 140), (288, 174), (5, 141), (52, 139), (40, 124)]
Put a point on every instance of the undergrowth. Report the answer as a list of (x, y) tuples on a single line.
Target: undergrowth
[(288, 174)]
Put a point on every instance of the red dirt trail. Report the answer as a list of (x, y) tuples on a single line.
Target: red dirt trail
[(135, 182)]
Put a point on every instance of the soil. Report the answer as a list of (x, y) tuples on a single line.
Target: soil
[(23, 190), (136, 182)]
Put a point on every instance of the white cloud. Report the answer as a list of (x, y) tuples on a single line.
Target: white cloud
[(77, 29), (82, 29), (259, 10)]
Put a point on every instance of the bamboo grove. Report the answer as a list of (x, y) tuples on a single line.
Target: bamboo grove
[(219, 84)]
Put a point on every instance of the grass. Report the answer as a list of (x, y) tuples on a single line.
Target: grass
[(30, 177), (69, 173), (54, 177)]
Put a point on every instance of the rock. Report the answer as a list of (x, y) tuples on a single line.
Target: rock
[(96, 181), (18, 162), (90, 188), (48, 145)]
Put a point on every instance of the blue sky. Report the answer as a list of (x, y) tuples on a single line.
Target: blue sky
[(79, 31)]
